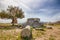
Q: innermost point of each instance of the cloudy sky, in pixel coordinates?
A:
(46, 10)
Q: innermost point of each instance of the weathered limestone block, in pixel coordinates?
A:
(26, 33)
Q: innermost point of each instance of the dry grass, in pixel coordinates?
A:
(51, 37)
(12, 34)
(5, 24)
(37, 33)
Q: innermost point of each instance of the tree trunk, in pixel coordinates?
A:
(14, 20)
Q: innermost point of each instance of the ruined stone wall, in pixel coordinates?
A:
(33, 22)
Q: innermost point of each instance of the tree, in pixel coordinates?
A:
(4, 14)
(13, 13)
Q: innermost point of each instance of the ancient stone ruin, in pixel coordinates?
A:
(34, 22)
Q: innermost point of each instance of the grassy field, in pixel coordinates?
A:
(5, 24)
(14, 34)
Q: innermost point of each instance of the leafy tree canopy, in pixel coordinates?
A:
(12, 12)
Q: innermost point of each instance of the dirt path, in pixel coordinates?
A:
(55, 32)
